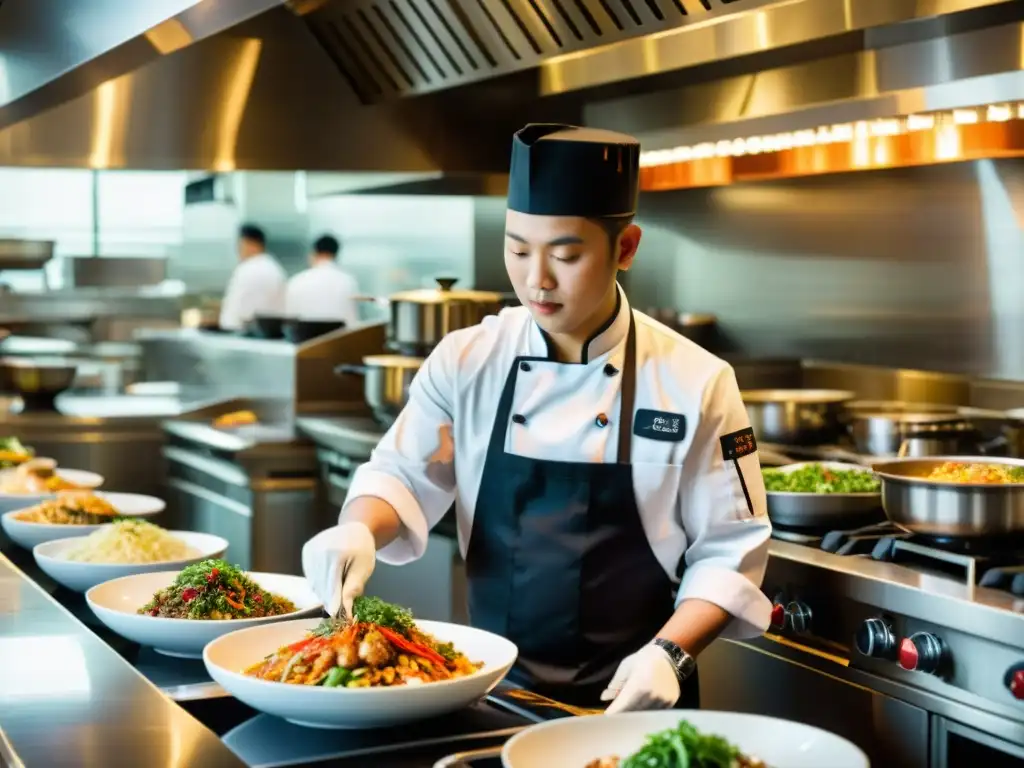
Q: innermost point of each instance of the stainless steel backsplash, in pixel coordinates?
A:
(915, 267)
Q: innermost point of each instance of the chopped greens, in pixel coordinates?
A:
(13, 452)
(683, 747)
(816, 478)
(373, 610)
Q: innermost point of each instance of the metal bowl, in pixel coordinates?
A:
(28, 377)
(823, 510)
(796, 416)
(945, 509)
(386, 382)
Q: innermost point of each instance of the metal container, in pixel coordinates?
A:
(386, 381)
(25, 254)
(907, 433)
(796, 416)
(824, 511)
(421, 318)
(38, 382)
(950, 510)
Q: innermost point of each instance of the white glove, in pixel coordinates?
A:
(337, 563)
(645, 680)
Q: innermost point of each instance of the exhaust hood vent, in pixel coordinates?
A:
(391, 48)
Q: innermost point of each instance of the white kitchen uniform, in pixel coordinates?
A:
(697, 479)
(323, 292)
(256, 287)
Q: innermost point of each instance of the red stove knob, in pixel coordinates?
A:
(923, 652)
(1015, 681)
(778, 621)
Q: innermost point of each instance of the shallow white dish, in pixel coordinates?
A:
(86, 480)
(29, 535)
(318, 707)
(575, 741)
(115, 604)
(81, 576)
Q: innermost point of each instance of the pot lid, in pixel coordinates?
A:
(444, 294)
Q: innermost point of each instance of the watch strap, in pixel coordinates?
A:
(683, 662)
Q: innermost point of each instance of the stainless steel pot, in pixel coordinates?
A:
(824, 511)
(796, 416)
(421, 318)
(943, 509)
(386, 381)
(908, 433)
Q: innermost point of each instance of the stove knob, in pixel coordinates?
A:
(922, 651)
(778, 621)
(1015, 681)
(799, 618)
(874, 638)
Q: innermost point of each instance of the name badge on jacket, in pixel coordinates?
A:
(659, 425)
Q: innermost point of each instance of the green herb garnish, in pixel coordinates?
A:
(215, 588)
(373, 610)
(816, 478)
(683, 747)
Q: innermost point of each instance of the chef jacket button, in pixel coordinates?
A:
(524, 366)
(610, 370)
(601, 420)
(519, 418)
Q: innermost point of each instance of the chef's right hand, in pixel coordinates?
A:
(338, 562)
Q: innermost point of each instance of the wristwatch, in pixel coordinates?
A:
(683, 662)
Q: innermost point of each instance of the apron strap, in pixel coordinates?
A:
(627, 395)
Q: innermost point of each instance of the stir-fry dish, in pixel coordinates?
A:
(129, 541)
(13, 453)
(682, 747)
(215, 590)
(989, 474)
(34, 476)
(70, 508)
(817, 478)
(381, 646)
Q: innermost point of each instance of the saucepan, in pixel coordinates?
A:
(946, 509)
(386, 381)
(579, 742)
(796, 416)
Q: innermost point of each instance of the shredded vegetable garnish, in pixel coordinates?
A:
(989, 474)
(382, 646)
(682, 747)
(129, 541)
(817, 478)
(214, 589)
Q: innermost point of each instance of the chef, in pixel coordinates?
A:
(324, 291)
(604, 472)
(257, 284)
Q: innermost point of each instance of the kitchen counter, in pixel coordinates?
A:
(67, 699)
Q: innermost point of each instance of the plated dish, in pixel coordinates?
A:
(230, 661)
(13, 453)
(382, 646)
(41, 476)
(69, 508)
(678, 738)
(194, 606)
(123, 548)
(73, 513)
(819, 477)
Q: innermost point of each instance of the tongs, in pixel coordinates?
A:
(341, 615)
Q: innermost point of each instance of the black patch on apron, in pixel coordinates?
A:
(659, 425)
(738, 444)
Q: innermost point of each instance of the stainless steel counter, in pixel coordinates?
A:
(67, 699)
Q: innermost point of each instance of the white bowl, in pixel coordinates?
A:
(86, 480)
(82, 576)
(575, 741)
(28, 535)
(115, 604)
(319, 707)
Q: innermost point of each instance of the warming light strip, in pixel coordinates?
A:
(832, 134)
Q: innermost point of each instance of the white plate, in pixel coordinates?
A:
(28, 535)
(87, 480)
(115, 604)
(80, 576)
(575, 741)
(319, 707)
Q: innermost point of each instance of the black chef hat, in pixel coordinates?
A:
(565, 170)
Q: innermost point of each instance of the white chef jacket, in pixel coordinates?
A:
(256, 287)
(323, 292)
(690, 497)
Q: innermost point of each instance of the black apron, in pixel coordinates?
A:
(558, 561)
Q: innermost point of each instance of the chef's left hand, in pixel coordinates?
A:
(645, 680)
